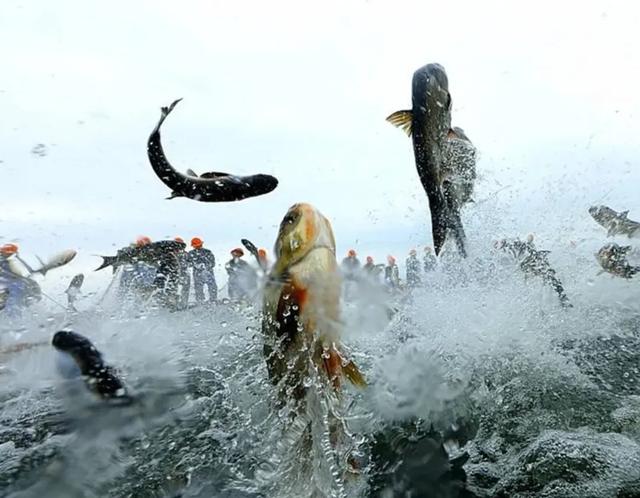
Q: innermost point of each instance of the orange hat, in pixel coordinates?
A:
(196, 243)
(237, 251)
(352, 253)
(179, 239)
(8, 249)
(391, 260)
(142, 240)
(262, 253)
(369, 259)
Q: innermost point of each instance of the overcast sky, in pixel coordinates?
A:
(546, 90)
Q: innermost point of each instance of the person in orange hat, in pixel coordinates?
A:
(137, 277)
(392, 274)
(351, 271)
(262, 259)
(203, 263)
(351, 265)
(142, 240)
(413, 269)
(242, 278)
(17, 290)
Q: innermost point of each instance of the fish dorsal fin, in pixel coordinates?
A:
(402, 120)
(213, 174)
(190, 172)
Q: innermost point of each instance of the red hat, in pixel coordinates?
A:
(369, 259)
(237, 251)
(351, 253)
(8, 249)
(391, 260)
(179, 239)
(196, 243)
(142, 240)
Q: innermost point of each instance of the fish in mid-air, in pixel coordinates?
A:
(445, 157)
(73, 290)
(534, 262)
(99, 377)
(208, 187)
(56, 261)
(614, 222)
(154, 253)
(301, 323)
(613, 259)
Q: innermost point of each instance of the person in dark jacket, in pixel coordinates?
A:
(351, 266)
(429, 260)
(242, 278)
(413, 269)
(203, 262)
(392, 274)
(16, 291)
(184, 279)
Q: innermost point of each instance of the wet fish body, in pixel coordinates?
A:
(99, 377)
(301, 323)
(445, 157)
(208, 187)
(613, 260)
(616, 223)
(162, 250)
(535, 262)
(73, 290)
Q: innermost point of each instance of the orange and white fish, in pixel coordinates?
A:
(301, 313)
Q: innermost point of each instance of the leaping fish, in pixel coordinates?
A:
(208, 187)
(99, 377)
(613, 260)
(615, 223)
(445, 157)
(301, 323)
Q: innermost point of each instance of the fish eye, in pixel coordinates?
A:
(290, 218)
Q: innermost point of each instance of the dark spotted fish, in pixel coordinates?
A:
(614, 222)
(99, 377)
(208, 187)
(160, 252)
(445, 157)
(613, 259)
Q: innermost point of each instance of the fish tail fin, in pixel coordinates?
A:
(106, 261)
(455, 225)
(43, 267)
(336, 367)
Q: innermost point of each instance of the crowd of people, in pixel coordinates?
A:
(195, 269)
(193, 274)
(387, 274)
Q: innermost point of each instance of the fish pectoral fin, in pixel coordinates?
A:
(214, 174)
(402, 120)
(190, 172)
(337, 366)
(352, 372)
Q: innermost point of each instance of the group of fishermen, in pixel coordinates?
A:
(143, 277)
(387, 275)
